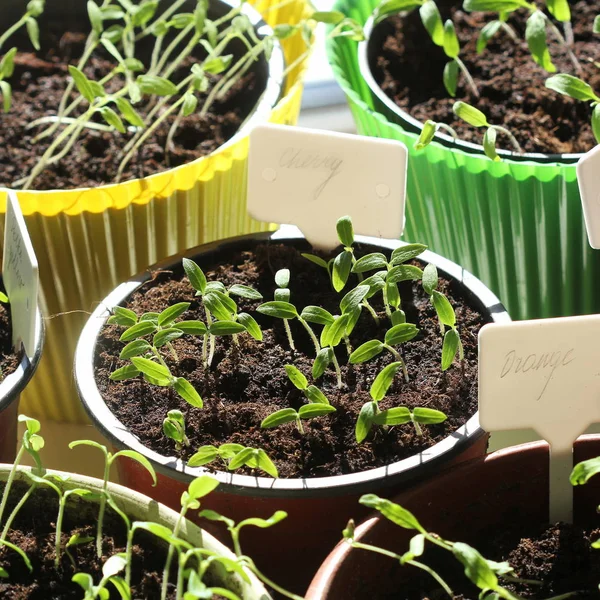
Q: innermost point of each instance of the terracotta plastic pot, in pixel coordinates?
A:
(509, 485)
(11, 388)
(318, 508)
(517, 224)
(141, 508)
(89, 240)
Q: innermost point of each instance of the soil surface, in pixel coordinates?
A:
(248, 382)
(9, 361)
(34, 532)
(510, 83)
(558, 556)
(38, 84)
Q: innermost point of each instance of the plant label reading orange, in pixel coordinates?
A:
(312, 178)
(20, 274)
(543, 375)
(588, 178)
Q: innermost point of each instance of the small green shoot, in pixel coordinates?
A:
(174, 429)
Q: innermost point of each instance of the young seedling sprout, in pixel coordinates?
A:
(282, 294)
(34, 9)
(430, 128)
(174, 429)
(237, 455)
(574, 87)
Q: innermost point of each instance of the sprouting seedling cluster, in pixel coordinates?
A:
(442, 34)
(195, 567)
(235, 456)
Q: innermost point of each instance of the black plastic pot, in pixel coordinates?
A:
(318, 508)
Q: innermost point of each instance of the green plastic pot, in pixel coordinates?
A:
(517, 224)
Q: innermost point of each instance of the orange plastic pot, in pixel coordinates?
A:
(510, 485)
(10, 390)
(317, 508)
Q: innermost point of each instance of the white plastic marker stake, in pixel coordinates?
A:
(311, 178)
(20, 275)
(588, 178)
(543, 375)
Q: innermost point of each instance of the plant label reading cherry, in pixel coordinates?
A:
(309, 178)
(543, 375)
(588, 178)
(20, 274)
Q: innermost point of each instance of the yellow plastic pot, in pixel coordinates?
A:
(89, 240)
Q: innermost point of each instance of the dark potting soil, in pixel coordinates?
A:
(558, 556)
(409, 69)
(34, 532)
(247, 383)
(9, 360)
(38, 84)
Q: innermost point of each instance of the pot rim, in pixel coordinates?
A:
(406, 469)
(14, 383)
(444, 139)
(259, 114)
(136, 503)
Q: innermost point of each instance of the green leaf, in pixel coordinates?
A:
(137, 331)
(191, 327)
(281, 295)
(195, 275)
(113, 566)
(375, 283)
(392, 7)
(250, 325)
(428, 416)
(139, 458)
(450, 77)
(7, 64)
(33, 425)
(296, 377)
(430, 278)
(167, 316)
(316, 314)
(122, 587)
(596, 122)
(470, 114)
(476, 567)
(317, 409)
(150, 316)
(399, 334)
(126, 372)
(498, 6)
(279, 310)
(6, 90)
(151, 368)
(596, 27)
(535, 34)
(226, 328)
(165, 336)
(33, 31)
(336, 331)
(280, 417)
(245, 291)
(35, 7)
(398, 317)
(81, 83)
(341, 270)
(187, 391)
(154, 85)
(135, 348)
(364, 421)
(322, 361)
(214, 302)
(489, 144)
(78, 539)
(451, 43)
(488, 31)
(113, 119)
(228, 451)
(392, 511)
(282, 277)
(128, 112)
(426, 136)
(203, 456)
(416, 548)
(406, 253)
(393, 295)
(584, 470)
(283, 31)
(449, 348)
(277, 517)
(370, 262)
(353, 299)
(366, 351)
(393, 416)
(404, 273)
(559, 9)
(160, 531)
(84, 580)
(571, 86)
(353, 318)
(190, 103)
(383, 381)
(217, 65)
(314, 394)
(331, 17)
(143, 13)
(173, 430)
(432, 21)
(264, 463)
(317, 260)
(202, 486)
(343, 226)
(444, 309)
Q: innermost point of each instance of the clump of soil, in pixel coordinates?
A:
(38, 84)
(409, 67)
(248, 382)
(9, 360)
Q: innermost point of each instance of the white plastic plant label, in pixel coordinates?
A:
(588, 178)
(543, 375)
(311, 178)
(20, 274)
